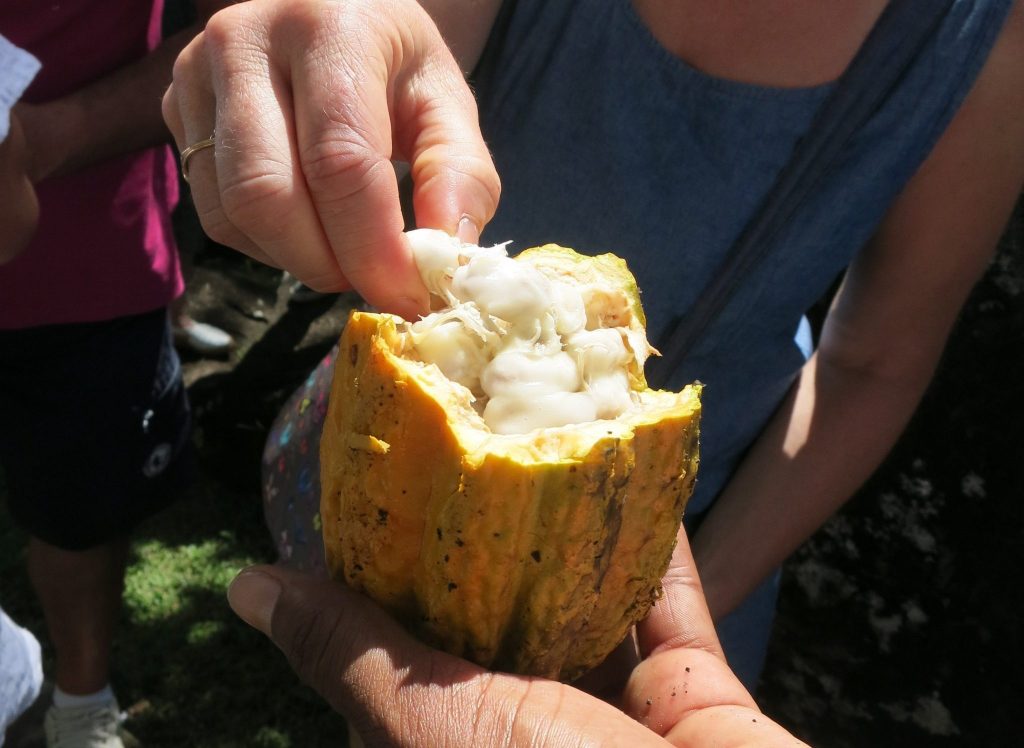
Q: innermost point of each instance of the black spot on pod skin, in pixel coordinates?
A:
(452, 586)
(535, 555)
(353, 354)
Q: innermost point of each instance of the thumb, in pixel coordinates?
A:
(680, 618)
(397, 691)
(706, 704)
(357, 657)
(328, 632)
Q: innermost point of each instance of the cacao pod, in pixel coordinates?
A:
(530, 552)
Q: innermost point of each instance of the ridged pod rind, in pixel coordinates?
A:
(531, 554)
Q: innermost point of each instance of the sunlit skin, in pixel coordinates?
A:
(366, 84)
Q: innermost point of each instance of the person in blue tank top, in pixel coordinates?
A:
(652, 130)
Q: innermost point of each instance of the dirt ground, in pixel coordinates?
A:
(899, 622)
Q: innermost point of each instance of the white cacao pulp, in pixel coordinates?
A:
(533, 348)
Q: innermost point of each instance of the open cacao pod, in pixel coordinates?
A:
(498, 475)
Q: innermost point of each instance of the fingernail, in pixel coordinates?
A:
(410, 309)
(468, 231)
(253, 596)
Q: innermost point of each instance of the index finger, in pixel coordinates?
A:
(681, 617)
(684, 689)
(373, 88)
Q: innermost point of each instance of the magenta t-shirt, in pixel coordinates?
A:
(104, 246)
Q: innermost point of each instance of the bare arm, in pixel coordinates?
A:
(116, 114)
(19, 210)
(882, 339)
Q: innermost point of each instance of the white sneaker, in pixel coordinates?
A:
(203, 338)
(84, 726)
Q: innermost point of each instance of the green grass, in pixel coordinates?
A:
(191, 672)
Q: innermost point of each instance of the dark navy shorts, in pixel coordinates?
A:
(94, 427)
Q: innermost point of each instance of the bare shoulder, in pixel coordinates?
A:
(1004, 69)
(465, 26)
(903, 292)
(1015, 23)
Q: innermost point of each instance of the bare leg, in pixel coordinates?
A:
(80, 592)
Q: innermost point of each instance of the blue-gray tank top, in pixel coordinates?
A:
(606, 142)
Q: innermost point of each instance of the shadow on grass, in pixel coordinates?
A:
(201, 677)
(186, 668)
(198, 675)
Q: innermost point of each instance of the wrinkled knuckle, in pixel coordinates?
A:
(489, 712)
(340, 169)
(318, 26)
(169, 109)
(315, 647)
(475, 172)
(237, 46)
(217, 226)
(257, 202)
(451, 708)
(356, 17)
(680, 576)
(184, 62)
(221, 232)
(224, 25)
(220, 28)
(310, 19)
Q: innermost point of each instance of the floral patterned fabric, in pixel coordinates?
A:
(291, 472)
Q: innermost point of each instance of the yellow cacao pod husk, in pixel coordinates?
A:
(531, 554)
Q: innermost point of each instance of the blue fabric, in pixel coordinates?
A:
(606, 142)
(872, 76)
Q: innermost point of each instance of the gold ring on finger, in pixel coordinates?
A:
(188, 153)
